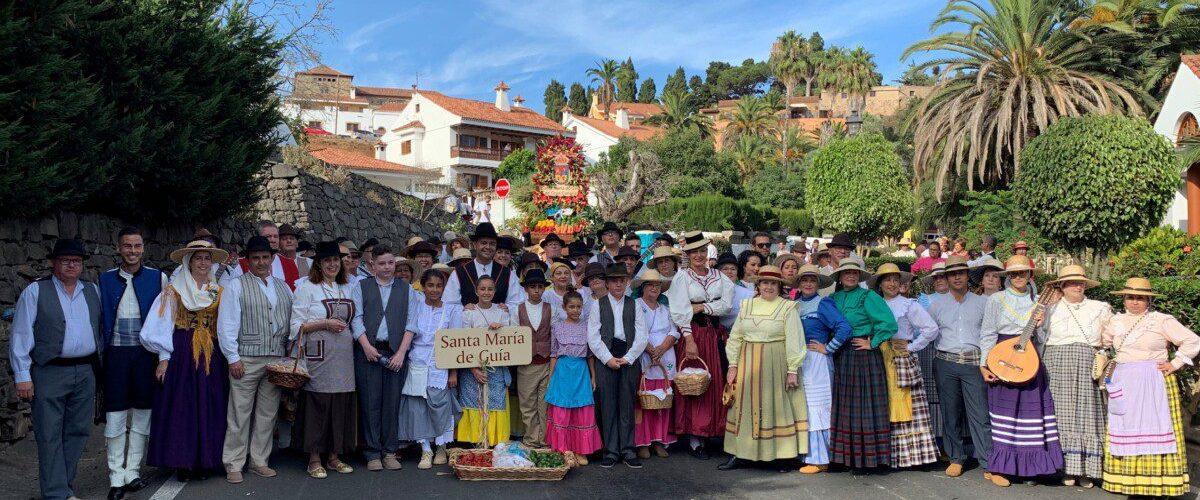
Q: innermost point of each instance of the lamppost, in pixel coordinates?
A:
(853, 123)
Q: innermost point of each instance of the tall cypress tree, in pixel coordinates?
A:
(676, 83)
(578, 101)
(554, 99)
(627, 82)
(646, 93)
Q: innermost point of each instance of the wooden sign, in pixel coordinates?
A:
(560, 190)
(472, 347)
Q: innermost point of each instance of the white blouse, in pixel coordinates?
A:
(1080, 323)
(714, 290)
(158, 331)
(912, 319)
(659, 327)
(740, 293)
(424, 321)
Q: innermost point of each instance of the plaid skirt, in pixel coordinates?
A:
(1152, 475)
(861, 433)
(929, 382)
(1080, 405)
(912, 441)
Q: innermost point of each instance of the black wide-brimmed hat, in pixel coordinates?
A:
(578, 249)
(328, 249)
(593, 270)
(528, 258)
(625, 251)
(665, 237)
(68, 247)
(607, 227)
(534, 277)
(616, 271)
(258, 244)
(506, 243)
(840, 240)
(484, 230)
(288, 230)
(726, 258)
(552, 238)
(304, 246)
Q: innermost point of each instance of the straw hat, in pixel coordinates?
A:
(904, 241)
(664, 253)
(1073, 272)
(769, 273)
(694, 240)
(938, 270)
(822, 249)
(886, 269)
(823, 281)
(1020, 244)
(460, 255)
(956, 263)
(1140, 287)
(1018, 263)
(652, 276)
(784, 257)
(851, 264)
(177, 256)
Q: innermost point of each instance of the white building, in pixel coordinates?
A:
(1178, 119)
(402, 178)
(463, 140)
(596, 135)
(327, 99)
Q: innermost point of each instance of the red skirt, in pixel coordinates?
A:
(653, 425)
(572, 429)
(703, 415)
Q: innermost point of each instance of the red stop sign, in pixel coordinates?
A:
(502, 188)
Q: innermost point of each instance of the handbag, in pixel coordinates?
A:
(1100, 364)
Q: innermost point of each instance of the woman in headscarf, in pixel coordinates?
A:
(912, 433)
(561, 278)
(1072, 337)
(768, 419)
(698, 297)
(861, 426)
(187, 424)
(1144, 452)
(825, 331)
(326, 419)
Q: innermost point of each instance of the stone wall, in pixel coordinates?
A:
(324, 205)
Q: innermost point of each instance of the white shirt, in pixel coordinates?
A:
(1081, 323)
(534, 311)
(714, 290)
(556, 304)
(127, 308)
(596, 344)
(658, 328)
(516, 294)
(229, 315)
(424, 321)
(483, 210)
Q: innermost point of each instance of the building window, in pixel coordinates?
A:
(912, 93)
(872, 93)
(472, 181)
(406, 147)
(315, 124)
(417, 106)
(472, 141)
(351, 127)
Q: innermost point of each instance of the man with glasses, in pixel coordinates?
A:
(56, 347)
(761, 243)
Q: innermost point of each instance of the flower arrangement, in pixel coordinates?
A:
(560, 190)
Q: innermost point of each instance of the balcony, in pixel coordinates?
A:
(478, 153)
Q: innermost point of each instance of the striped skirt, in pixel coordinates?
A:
(1152, 475)
(1079, 404)
(861, 433)
(929, 377)
(767, 421)
(1024, 427)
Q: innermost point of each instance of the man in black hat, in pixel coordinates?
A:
(552, 247)
(56, 346)
(127, 378)
(840, 247)
(610, 241)
(460, 288)
(617, 337)
(252, 328)
(630, 258)
(579, 253)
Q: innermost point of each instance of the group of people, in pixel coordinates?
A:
(805, 356)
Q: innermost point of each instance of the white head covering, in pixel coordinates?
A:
(196, 296)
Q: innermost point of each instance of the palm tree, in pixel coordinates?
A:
(860, 75)
(1153, 34)
(678, 115)
(787, 59)
(750, 116)
(604, 74)
(1016, 70)
(831, 69)
(791, 145)
(748, 153)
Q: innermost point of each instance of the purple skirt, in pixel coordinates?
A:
(1024, 427)
(187, 426)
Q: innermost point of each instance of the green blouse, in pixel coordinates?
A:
(867, 313)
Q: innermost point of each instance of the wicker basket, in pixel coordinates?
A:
(692, 384)
(473, 473)
(293, 377)
(650, 401)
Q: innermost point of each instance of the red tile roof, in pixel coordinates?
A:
(636, 130)
(383, 92)
(323, 70)
(412, 124)
(392, 107)
(638, 108)
(351, 160)
(486, 111)
(1192, 61)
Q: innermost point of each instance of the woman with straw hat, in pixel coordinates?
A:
(789, 264)
(1024, 429)
(768, 419)
(825, 330)
(665, 261)
(912, 431)
(653, 428)
(1072, 338)
(1144, 452)
(988, 276)
(187, 424)
(861, 432)
(698, 297)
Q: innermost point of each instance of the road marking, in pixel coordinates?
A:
(170, 489)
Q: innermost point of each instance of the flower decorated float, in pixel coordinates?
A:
(559, 192)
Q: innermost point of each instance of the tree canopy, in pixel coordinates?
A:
(857, 186)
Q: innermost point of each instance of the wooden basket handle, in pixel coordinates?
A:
(656, 364)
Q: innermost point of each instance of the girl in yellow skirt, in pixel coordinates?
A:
(471, 389)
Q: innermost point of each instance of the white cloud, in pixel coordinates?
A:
(366, 34)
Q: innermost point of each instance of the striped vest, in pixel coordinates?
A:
(264, 329)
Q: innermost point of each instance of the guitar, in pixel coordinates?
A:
(1015, 361)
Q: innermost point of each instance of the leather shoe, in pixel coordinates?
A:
(997, 479)
(633, 463)
(729, 465)
(234, 477)
(699, 453)
(116, 493)
(136, 485)
(954, 470)
(263, 471)
(608, 462)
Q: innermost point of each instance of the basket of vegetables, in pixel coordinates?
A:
(508, 462)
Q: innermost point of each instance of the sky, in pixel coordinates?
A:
(464, 49)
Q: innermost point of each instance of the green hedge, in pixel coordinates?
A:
(1181, 297)
(873, 262)
(714, 212)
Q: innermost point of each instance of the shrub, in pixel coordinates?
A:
(996, 213)
(1096, 182)
(858, 186)
(1164, 251)
(713, 212)
(518, 167)
(771, 185)
(794, 221)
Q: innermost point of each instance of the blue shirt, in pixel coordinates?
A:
(823, 322)
(958, 324)
(78, 341)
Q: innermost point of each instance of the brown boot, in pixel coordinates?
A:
(643, 452)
